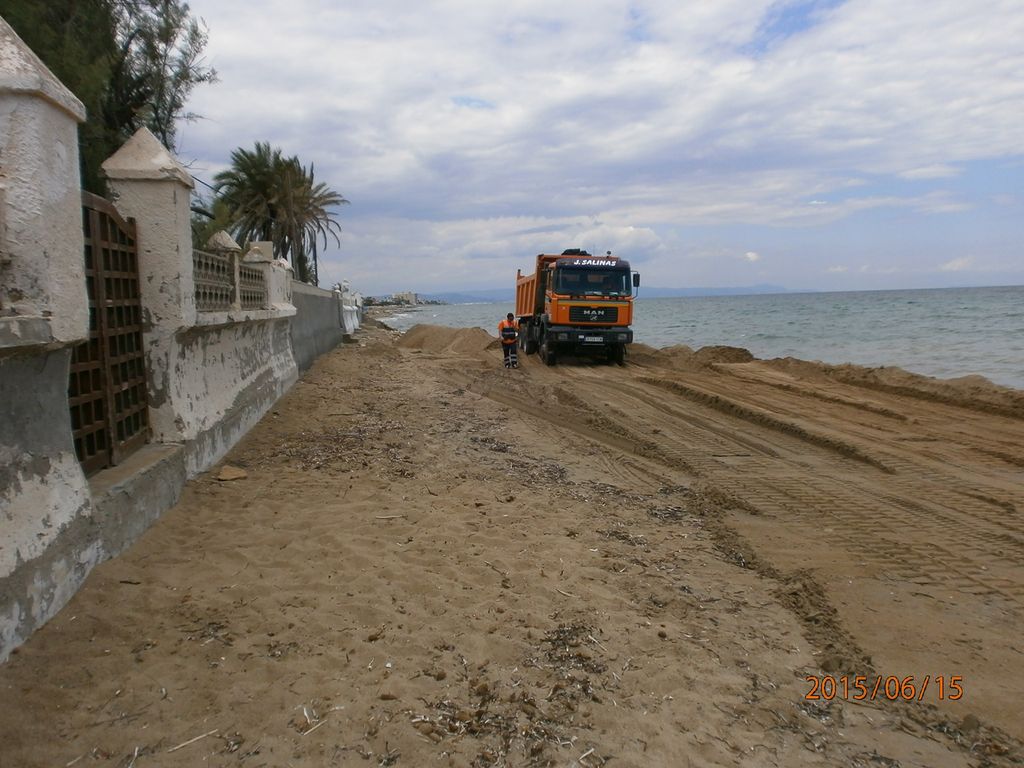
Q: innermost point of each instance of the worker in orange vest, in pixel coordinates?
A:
(508, 332)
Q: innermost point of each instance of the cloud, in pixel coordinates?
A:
(958, 265)
(936, 171)
(472, 102)
(449, 120)
(752, 256)
(837, 269)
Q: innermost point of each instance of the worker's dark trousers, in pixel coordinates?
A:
(510, 355)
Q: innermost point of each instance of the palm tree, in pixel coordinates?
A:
(314, 203)
(249, 188)
(275, 198)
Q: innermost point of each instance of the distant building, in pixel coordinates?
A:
(405, 297)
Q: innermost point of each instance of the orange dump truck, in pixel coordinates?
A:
(575, 303)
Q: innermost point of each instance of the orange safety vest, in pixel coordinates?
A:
(508, 331)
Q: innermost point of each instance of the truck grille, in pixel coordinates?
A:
(593, 314)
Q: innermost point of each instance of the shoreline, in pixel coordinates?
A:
(942, 337)
(894, 377)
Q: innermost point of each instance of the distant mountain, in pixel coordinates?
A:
(471, 297)
(504, 295)
(745, 290)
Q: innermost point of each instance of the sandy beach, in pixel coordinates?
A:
(420, 558)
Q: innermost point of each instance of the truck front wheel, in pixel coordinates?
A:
(617, 354)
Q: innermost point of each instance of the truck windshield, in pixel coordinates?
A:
(597, 282)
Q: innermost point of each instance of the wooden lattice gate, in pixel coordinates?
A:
(107, 385)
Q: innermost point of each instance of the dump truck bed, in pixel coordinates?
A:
(530, 288)
(529, 297)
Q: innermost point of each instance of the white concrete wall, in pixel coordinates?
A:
(317, 325)
(226, 379)
(44, 497)
(212, 374)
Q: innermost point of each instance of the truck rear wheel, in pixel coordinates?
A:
(529, 340)
(546, 353)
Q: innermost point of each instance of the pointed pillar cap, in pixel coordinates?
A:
(222, 241)
(144, 157)
(21, 71)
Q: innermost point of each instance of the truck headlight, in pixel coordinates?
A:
(563, 337)
(623, 336)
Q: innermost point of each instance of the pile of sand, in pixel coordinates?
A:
(973, 391)
(680, 357)
(440, 339)
(722, 354)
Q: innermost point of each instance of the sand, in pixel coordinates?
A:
(427, 559)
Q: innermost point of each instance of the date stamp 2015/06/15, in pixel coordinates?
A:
(891, 687)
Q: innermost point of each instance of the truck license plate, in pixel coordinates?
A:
(588, 339)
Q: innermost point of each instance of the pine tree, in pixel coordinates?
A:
(130, 62)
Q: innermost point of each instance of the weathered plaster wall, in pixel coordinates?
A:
(45, 551)
(45, 508)
(225, 378)
(212, 375)
(316, 327)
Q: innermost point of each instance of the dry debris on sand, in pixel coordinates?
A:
(424, 559)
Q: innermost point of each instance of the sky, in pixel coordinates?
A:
(813, 144)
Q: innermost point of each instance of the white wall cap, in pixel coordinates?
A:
(144, 157)
(21, 71)
(259, 251)
(222, 241)
(312, 290)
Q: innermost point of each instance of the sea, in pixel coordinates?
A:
(943, 332)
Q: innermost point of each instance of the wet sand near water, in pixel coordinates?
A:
(427, 559)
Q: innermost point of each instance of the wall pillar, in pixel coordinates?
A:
(277, 272)
(42, 275)
(149, 185)
(45, 510)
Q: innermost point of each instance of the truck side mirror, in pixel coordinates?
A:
(636, 279)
